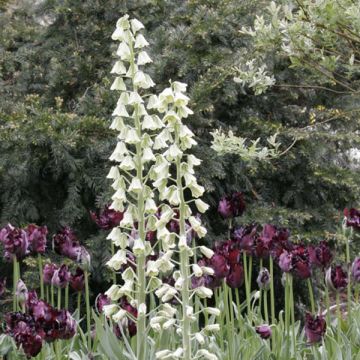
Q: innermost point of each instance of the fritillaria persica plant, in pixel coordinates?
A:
(150, 177)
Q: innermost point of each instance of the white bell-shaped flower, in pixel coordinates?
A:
(121, 314)
(201, 205)
(143, 58)
(121, 111)
(135, 98)
(127, 219)
(140, 42)
(110, 309)
(118, 84)
(203, 292)
(113, 292)
(117, 123)
(113, 173)
(136, 25)
(118, 68)
(123, 52)
(123, 22)
(135, 185)
(127, 164)
(117, 260)
(132, 137)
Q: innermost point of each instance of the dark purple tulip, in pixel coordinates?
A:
(355, 270)
(107, 218)
(66, 325)
(66, 243)
(245, 237)
(301, 262)
(264, 331)
(48, 272)
(37, 238)
(235, 278)
(233, 257)
(263, 279)
(231, 206)
(336, 278)
(320, 255)
(101, 301)
(220, 266)
(352, 218)
(315, 328)
(2, 286)
(15, 241)
(77, 281)
(25, 333)
(285, 261)
(61, 277)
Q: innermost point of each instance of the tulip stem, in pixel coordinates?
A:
(79, 303)
(87, 300)
(67, 296)
(272, 299)
(338, 311)
(261, 290)
(14, 283)
(238, 304)
(349, 275)
(59, 298)
(247, 290)
(266, 314)
(41, 277)
(52, 295)
(229, 331)
(327, 301)
(311, 295)
(287, 313)
(292, 313)
(47, 294)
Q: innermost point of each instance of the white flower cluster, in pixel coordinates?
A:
(176, 139)
(152, 173)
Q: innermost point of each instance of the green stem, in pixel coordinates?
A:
(338, 312)
(206, 315)
(47, 294)
(261, 291)
(67, 297)
(238, 305)
(311, 295)
(292, 309)
(14, 283)
(59, 298)
(327, 302)
(41, 277)
(52, 295)
(287, 314)
(229, 332)
(112, 254)
(141, 338)
(88, 313)
(349, 275)
(266, 314)
(184, 261)
(272, 292)
(247, 291)
(79, 303)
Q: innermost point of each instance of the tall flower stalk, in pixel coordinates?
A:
(173, 103)
(133, 194)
